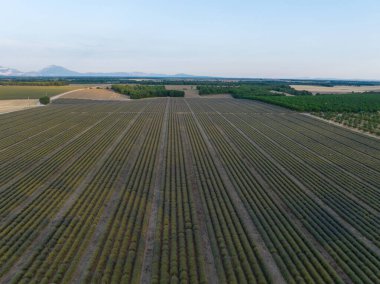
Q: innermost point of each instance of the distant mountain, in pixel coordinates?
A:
(4, 71)
(59, 71)
(56, 71)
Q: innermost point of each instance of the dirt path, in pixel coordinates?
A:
(252, 231)
(51, 226)
(53, 98)
(146, 270)
(211, 273)
(308, 192)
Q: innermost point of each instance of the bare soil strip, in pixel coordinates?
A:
(241, 210)
(211, 273)
(146, 270)
(7, 106)
(329, 210)
(294, 219)
(95, 94)
(50, 227)
(53, 98)
(336, 89)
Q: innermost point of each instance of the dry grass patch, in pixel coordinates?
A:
(96, 94)
(336, 89)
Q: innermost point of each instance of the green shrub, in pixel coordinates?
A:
(45, 100)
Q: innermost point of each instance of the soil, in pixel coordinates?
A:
(336, 89)
(7, 106)
(94, 94)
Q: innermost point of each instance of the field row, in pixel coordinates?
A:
(185, 190)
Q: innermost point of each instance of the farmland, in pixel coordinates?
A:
(340, 89)
(33, 92)
(185, 190)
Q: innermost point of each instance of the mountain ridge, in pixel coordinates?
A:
(59, 71)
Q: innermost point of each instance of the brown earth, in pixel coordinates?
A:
(95, 94)
(336, 89)
(15, 105)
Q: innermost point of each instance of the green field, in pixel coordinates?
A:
(171, 190)
(33, 92)
(366, 102)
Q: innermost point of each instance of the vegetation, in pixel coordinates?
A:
(33, 83)
(364, 121)
(366, 102)
(185, 190)
(145, 91)
(44, 100)
(32, 92)
(246, 91)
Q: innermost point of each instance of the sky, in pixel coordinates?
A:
(235, 38)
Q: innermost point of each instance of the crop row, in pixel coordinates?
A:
(297, 258)
(178, 249)
(26, 162)
(119, 255)
(357, 260)
(335, 167)
(235, 253)
(47, 195)
(57, 255)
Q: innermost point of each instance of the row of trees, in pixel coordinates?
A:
(144, 91)
(33, 83)
(247, 91)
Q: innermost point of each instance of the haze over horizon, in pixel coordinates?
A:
(276, 39)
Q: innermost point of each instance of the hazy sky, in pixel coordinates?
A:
(241, 38)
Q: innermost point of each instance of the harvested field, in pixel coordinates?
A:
(336, 89)
(95, 94)
(185, 190)
(15, 105)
